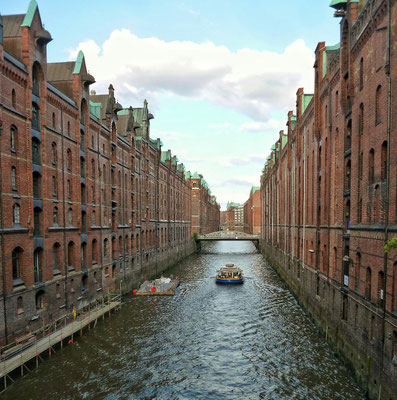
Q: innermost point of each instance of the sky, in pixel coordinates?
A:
(220, 75)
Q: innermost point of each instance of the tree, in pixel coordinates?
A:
(391, 244)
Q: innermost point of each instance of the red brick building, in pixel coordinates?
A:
(235, 217)
(205, 210)
(329, 194)
(252, 212)
(89, 202)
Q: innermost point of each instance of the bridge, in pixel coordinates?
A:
(227, 235)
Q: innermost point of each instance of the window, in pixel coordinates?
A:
(35, 117)
(371, 166)
(37, 222)
(13, 138)
(36, 151)
(383, 164)
(54, 154)
(368, 286)
(35, 81)
(378, 96)
(83, 222)
(82, 141)
(69, 189)
(55, 216)
(69, 160)
(381, 294)
(54, 187)
(357, 269)
(83, 256)
(70, 254)
(83, 194)
(56, 258)
(361, 73)
(94, 251)
(82, 167)
(16, 263)
(13, 178)
(13, 99)
(68, 128)
(40, 300)
(70, 217)
(37, 259)
(36, 186)
(53, 120)
(19, 305)
(93, 168)
(16, 214)
(93, 218)
(105, 248)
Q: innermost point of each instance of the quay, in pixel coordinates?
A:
(62, 332)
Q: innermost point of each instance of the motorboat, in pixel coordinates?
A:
(229, 274)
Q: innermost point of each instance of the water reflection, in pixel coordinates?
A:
(250, 341)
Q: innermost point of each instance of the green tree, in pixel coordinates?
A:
(391, 244)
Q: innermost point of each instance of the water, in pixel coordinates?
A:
(209, 341)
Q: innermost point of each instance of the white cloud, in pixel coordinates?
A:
(249, 81)
(256, 126)
(170, 135)
(221, 125)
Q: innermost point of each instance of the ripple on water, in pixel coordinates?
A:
(251, 341)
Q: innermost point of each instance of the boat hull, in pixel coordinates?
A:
(229, 281)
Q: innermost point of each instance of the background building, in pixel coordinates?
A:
(235, 217)
(252, 212)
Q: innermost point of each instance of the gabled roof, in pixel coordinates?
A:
(255, 189)
(306, 99)
(60, 71)
(196, 175)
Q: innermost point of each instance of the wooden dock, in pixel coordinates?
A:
(48, 342)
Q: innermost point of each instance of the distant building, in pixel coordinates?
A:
(235, 217)
(252, 212)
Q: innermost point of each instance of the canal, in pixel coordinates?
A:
(207, 342)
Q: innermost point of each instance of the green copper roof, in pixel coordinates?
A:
(338, 3)
(273, 147)
(27, 21)
(124, 111)
(187, 174)
(174, 160)
(284, 140)
(255, 189)
(165, 155)
(306, 99)
(95, 109)
(196, 176)
(328, 48)
(79, 62)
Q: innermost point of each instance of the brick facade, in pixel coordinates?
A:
(89, 202)
(328, 194)
(252, 212)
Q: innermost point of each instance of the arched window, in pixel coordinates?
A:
(381, 294)
(36, 159)
(368, 284)
(357, 270)
(13, 99)
(83, 222)
(70, 217)
(378, 116)
(83, 194)
(105, 249)
(336, 102)
(16, 263)
(54, 187)
(69, 189)
(37, 222)
(56, 258)
(13, 138)
(19, 305)
(94, 251)
(93, 218)
(13, 178)
(36, 185)
(69, 160)
(383, 164)
(71, 255)
(361, 73)
(84, 282)
(55, 217)
(54, 153)
(16, 214)
(371, 167)
(37, 260)
(83, 256)
(35, 81)
(35, 117)
(41, 300)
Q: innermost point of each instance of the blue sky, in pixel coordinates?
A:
(219, 76)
